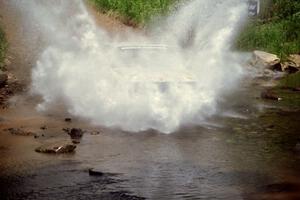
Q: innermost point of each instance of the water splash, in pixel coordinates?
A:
(134, 84)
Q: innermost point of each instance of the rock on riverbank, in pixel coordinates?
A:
(273, 62)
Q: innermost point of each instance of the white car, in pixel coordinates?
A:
(153, 63)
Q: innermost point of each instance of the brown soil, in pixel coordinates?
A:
(110, 23)
(18, 58)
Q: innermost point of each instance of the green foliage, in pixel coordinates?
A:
(284, 9)
(276, 30)
(276, 37)
(135, 11)
(3, 46)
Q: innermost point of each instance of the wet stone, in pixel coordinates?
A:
(68, 120)
(93, 172)
(290, 67)
(267, 94)
(123, 195)
(76, 141)
(95, 132)
(56, 148)
(20, 132)
(296, 89)
(75, 133)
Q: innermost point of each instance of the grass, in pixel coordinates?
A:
(276, 30)
(135, 12)
(3, 47)
(279, 37)
(271, 37)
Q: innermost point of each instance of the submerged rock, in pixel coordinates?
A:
(297, 89)
(20, 132)
(95, 132)
(68, 120)
(93, 172)
(122, 195)
(268, 94)
(76, 141)
(56, 148)
(75, 133)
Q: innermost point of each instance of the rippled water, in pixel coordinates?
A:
(233, 157)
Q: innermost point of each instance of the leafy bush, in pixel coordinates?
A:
(276, 30)
(285, 9)
(135, 11)
(275, 37)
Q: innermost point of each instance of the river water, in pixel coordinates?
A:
(250, 155)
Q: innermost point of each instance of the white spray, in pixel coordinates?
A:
(114, 84)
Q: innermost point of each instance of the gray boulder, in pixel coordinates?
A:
(295, 58)
(20, 132)
(290, 67)
(265, 59)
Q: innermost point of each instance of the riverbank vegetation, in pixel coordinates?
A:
(3, 46)
(135, 12)
(275, 30)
